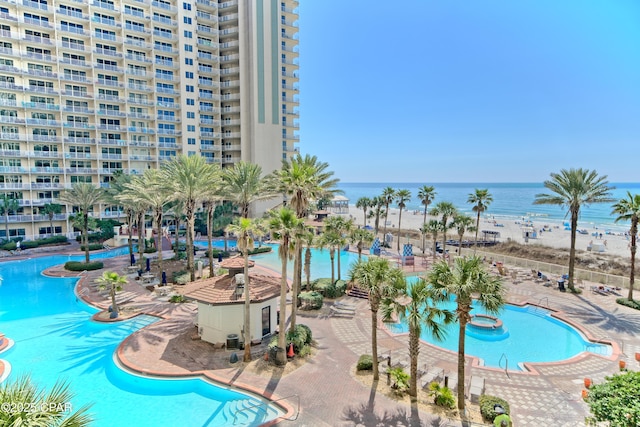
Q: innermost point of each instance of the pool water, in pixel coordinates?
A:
(529, 334)
(55, 339)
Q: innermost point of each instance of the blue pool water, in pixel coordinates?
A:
(529, 334)
(55, 339)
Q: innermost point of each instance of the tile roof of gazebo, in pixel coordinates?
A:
(221, 290)
(235, 263)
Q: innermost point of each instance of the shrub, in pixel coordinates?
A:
(181, 256)
(216, 253)
(83, 266)
(487, 403)
(310, 300)
(181, 277)
(93, 237)
(260, 250)
(308, 330)
(325, 287)
(9, 246)
(442, 396)
(633, 304)
(399, 380)
(365, 363)
(305, 351)
(341, 287)
(616, 399)
(28, 244)
(52, 240)
(149, 250)
(177, 298)
(93, 246)
(299, 336)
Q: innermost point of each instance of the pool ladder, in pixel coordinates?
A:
(540, 303)
(506, 364)
(235, 414)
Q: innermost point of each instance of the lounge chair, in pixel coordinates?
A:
(476, 388)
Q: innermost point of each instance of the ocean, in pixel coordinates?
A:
(510, 201)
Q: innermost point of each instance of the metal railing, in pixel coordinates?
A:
(257, 405)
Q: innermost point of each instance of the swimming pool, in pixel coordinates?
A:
(529, 334)
(54, 338)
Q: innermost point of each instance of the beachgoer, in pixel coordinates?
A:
(503, 419)
(18, 248)
(605, 243)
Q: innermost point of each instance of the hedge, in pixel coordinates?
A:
(30, 244)
(93, 247)
(310, 300)
(633, 303)
(328, 289)
(83, 266)
(487, 403)
(216, 252)
(365, 363)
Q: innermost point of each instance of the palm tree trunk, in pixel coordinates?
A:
(634, 232)
(295, 287)
(141, 244)
(177, 237)
(130, 232)
(364, 218)
(85, 235)
(281, 356)
(424, 221)
(374, 343)
(339, 250)
(159, 237)
(210, 238)
(386, 216)
(51, 224)
(6, 224)
(399, 223)
(414, 352)
(307, 266)
(572, 251)
(190, 245)
(461, 362)
(247, 309)
(114, 307)
(477, 228)
(332, 255)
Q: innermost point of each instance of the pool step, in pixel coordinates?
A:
(246, 412)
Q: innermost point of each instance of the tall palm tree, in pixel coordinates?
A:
(361, 237)
(130, 198)
(246, 230)
(383, 283)
(432, 227)
(388, 194)
(330, 238)
(464, 280)
(481, 198)
(426, 195)
(402, 196)
(422, 312)
(377, 203)
(39, 407)
(309, 240)
(283, 224)
(573, 188)
(84, 196)
(190, 177)
(339, 228)
(117, 187)
(364, 203)
(445, 210)
(51, 210)
(8, 205)
(629, 210)
(113, 282)
(462, 224)
(244, 184)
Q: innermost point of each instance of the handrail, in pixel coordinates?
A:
(506, 364)
(540, 302)
(235, 414)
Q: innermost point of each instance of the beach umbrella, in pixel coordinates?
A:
(148, 264)
(133, 259)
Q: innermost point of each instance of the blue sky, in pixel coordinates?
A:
(470, 90)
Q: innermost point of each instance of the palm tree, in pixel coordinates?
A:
(361, 237)
(51, 210)
(283, 224)
(432, 227)
(8, 205)
(338, 228)
(481, 199)
(377, 203)
(402, 196)
(244, 184)
(446, 210)
(462, 224)
(421, 312)
(426, 195)
(309, 240)
(245, 230)
(84, 196)
(573, 188)
(331, 239)
(629, 210)
(464, 280)
(383, 283)
(364, 203)
(190, 177)
(388, 194)
(37, 407)
(113, 282)
(117, 187)
(130, 198)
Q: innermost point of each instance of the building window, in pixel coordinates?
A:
(188, 61)
(188, 48)
(186, 6)
(188, 34)
(191, 115)
(187, 20)
(190, 88)
(191, 141)
(188, 74)
(191, 101)
(191, 128)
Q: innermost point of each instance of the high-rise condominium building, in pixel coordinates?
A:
(90, 87)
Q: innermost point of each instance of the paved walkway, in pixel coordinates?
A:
(331, 396)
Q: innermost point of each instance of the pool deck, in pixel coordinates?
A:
(329, 394)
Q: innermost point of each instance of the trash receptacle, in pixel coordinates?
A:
(232, 341)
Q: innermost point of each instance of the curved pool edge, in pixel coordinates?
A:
(209, 376)
(530, 367)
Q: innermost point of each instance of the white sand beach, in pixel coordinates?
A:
(557, 237)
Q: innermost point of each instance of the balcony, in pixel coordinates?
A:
(116, 142)
(43, 138)
(164, 21)
(82, 156)
(73, 14)
(117, 128)
(11, 86)
(74, 140)
(231, 18)
(47, 170)
(103, 5)
(207, 4)
(79, 125)
(12, 169)
(11, 136)
(164, 6)
(204, 16)
(43, 122)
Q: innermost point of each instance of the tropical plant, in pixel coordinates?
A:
(36, 406)
(383, 283)
(113, 283)
(402, 196)
(84, 196)
(388, 194)
(130, 198)
(51, 210)
(116, 187)
(309, 240)
(244, 184)
(377, 203)
(364, 203)
(426, 195)
(283, 224)
(338, 229)
(246, 230)
(8, 205)
(421, 312)
(446, 211)
(399, 379)
(574, 188)
(330, 238)
(432, 227)
(462, 223)
(442, 396)
(464, 280)
(190, 178)
(629, 210)
(481, 199)
(616, 400)
(361, 237)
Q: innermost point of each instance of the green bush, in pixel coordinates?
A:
(616, 400)
(9, 246)
(300, 337)
(53, 240)
(633, 304)
(365, 363)
(93, 237)
(260, 250)
(83, 266)
(181, 256)
(308, 330)
(181, 277)
(29, 244)
(93, 246)
(217, 252)
(399, 380)
(305, 351)
(177, 299)
(442, 396)
(310, 300)
(149, 250)
(325, 287)
(341, 287)
(487, 403)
